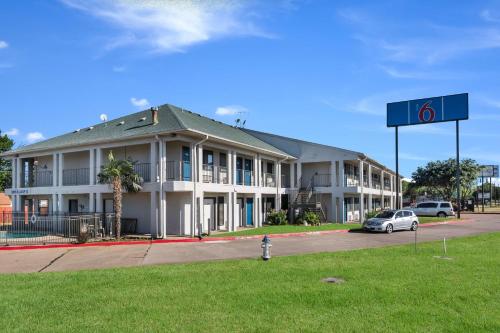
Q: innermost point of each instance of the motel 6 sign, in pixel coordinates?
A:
(428, 110)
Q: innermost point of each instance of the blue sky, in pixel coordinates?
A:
(316, 70)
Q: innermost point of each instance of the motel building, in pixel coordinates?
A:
(197, 173)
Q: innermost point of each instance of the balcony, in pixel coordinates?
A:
(41, 178)
(351, 180)
(143, 170)
(178, 170)
(244, 177)
(387, 186)
(215, 174)
(322, 180)
(73, 177)
(376, 184)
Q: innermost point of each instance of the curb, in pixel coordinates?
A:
(203, 240)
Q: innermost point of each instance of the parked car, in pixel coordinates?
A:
(434, 208)
(390, 220)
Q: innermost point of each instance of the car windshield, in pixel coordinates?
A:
(385, 214)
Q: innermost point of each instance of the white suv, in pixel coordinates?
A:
(434, 208)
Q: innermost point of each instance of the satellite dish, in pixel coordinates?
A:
(104, 117)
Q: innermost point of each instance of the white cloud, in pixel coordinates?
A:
(32, 137)
(171, 25)
(230, 110)
(3, 44)
(12, 132)
(119, 69)
(139, 102)
(488, 16)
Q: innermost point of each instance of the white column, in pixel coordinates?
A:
(370, 206)
(235, 171)
(98, 162)
(54, 202)
(361, 196)
(259, 170)
(230, 216)
(18, 172)
(60, 202)
(332, 173)
(91, 203)
(92, 167)
(54, 169)
(153, 160)
(98, 203)
(292, 174)
(342, 208)
(163, 215)
(153, 214)
(382, 189)
(342, 172)
(60, 169)
(369, 177)
(230, 168)
(299, 174)
(255, 171)
(199, 160)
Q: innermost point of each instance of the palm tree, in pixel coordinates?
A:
(121, 176)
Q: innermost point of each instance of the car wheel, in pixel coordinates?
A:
(389, 228)
(441, 214)
(414, 226)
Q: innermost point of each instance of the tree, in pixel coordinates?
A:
(121, 176)
(6, 144)
(438, 178)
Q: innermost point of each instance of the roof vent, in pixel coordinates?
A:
(121, 123)
(77, 130)
(91, 128)
(154, 115)
(142, 119)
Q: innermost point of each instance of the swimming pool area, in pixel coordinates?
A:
(14, 235)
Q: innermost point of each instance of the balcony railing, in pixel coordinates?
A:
(215, 174)
(351, 180)
(268, 179)
(244, 177)
(376, 184)
(178, 170)
(322, 180)
(143, 170)
(387, 186)
(73, 177)
(41, 178)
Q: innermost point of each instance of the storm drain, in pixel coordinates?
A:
(333, 280)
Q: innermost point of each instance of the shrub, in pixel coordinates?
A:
(83, 237)
(277, 218)
(371, 214)
(311, 218)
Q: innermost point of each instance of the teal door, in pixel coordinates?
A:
(186, 163)
(249, 211)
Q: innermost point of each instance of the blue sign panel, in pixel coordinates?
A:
(428, 110)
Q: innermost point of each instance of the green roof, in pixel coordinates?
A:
(140, 124)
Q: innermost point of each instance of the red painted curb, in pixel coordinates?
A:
(196, 240)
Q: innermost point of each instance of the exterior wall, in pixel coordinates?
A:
(179, 213)
(45, 161)
(139, 153)
(77, 160)
(137, 206)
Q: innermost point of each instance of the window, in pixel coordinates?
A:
(407, 213)
(399, 215)
(269, 168)
(432, 204)
(445, 205)
(223, 159)
(208, 157)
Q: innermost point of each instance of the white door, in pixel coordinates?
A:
(399, 220)
(208, 215)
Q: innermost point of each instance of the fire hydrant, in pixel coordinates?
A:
(266, 248)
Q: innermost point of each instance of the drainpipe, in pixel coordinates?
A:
(160, 177)
(195, 180)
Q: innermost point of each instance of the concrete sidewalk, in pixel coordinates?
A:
(62, 259)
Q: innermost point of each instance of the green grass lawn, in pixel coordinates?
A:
(291, 228)
(386, 290)
(284, 229)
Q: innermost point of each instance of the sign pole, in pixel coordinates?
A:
(459, 203)
(397, 170)
(482, 191)
(491, 193)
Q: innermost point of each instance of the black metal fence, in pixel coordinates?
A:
(76, 176)
(19, 228)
